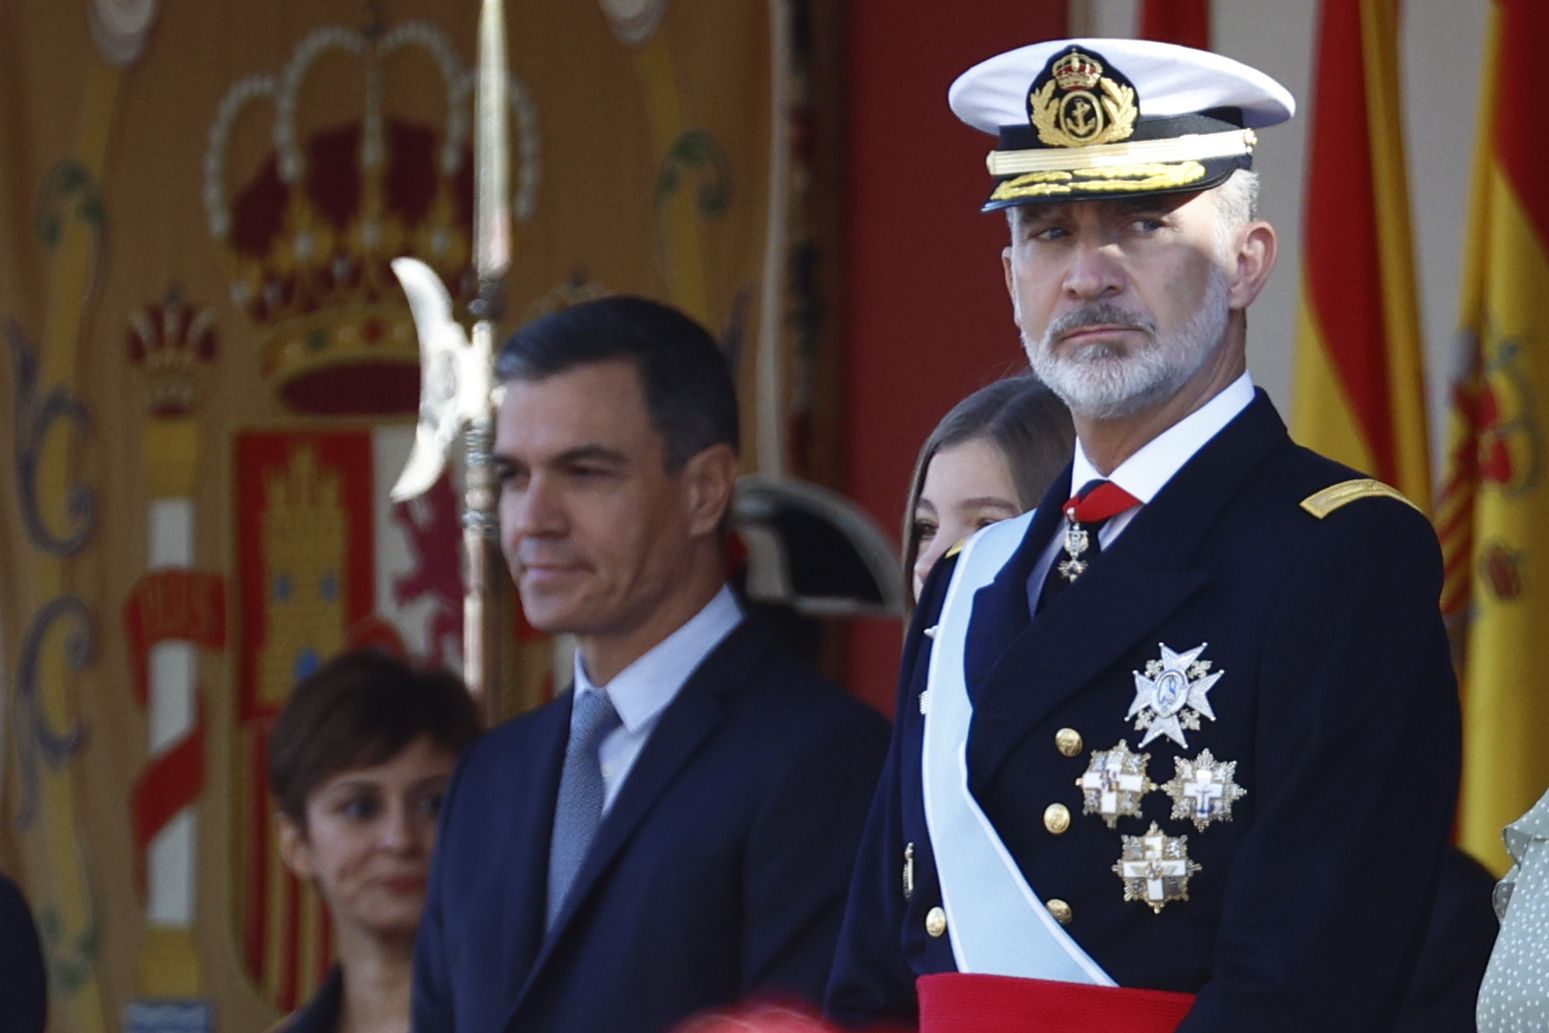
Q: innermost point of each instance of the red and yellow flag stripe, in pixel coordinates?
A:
(1359, 392)
(1493, 510)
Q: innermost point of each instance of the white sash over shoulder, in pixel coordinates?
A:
(998, 925)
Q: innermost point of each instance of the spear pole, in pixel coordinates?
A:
(457, 372)
(492, 259)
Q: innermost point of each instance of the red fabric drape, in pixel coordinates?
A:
(1176, 21)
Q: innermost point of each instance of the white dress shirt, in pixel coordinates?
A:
(1147, 471)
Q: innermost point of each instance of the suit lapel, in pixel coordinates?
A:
(1135, 585)
(687, 722)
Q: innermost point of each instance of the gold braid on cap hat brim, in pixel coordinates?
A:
(1132, 179)
(1195, 147)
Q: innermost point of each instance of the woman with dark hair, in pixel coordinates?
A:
(358, 762)
(991, 457)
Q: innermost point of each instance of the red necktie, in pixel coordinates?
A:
(1097, 501)
(1085, 514)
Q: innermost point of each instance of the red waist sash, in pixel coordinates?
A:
(951, 1002)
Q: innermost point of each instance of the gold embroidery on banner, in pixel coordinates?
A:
(1321, 503)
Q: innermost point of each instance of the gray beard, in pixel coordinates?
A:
(1101, 382)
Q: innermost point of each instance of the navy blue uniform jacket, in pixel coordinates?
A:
(1336, 700)
(718, 873)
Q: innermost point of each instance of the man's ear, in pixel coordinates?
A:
(1257, 248)
(295, 851)
(708, 478)
(1011, 283)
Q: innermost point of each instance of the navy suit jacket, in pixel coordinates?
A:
(718, 873)
(24, 1004)
(1336, 701)
(321, 1013)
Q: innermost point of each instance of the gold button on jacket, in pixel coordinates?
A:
(935, 921)
(1060, 910)
(1068, 742)
(1056, 818)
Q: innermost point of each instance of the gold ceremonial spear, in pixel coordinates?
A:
(457, 374)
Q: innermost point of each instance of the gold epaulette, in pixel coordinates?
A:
(955, 549)
(1321, 503)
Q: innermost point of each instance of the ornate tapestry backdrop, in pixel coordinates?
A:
(210, 380)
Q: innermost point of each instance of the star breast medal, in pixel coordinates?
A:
(1114, 784)
(1203, 789)
(1155, 868)
(1172, 695)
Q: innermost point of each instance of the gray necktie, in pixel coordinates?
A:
(579, 806)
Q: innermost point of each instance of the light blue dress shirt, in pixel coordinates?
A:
(641, 691)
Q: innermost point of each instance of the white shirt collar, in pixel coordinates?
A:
(642, 690)
(1148, 470)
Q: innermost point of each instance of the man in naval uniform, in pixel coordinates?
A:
(1179, 749)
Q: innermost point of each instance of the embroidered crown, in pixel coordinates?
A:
(1077, 71)
(307, 239)
(170, 340)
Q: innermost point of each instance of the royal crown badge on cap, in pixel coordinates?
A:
(1093, 118)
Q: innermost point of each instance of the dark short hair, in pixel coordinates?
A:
(1021, 417)
(357, 710)
(684, 376)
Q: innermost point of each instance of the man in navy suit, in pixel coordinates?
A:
(1179, 750)
(677, 832)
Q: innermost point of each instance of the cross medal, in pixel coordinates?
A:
(1173, 695)
(1114, 783)
(1204, 789)
(1155, 868)
(1077, 541)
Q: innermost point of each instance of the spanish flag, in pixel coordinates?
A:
(1493, 509)
(1359, 392)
